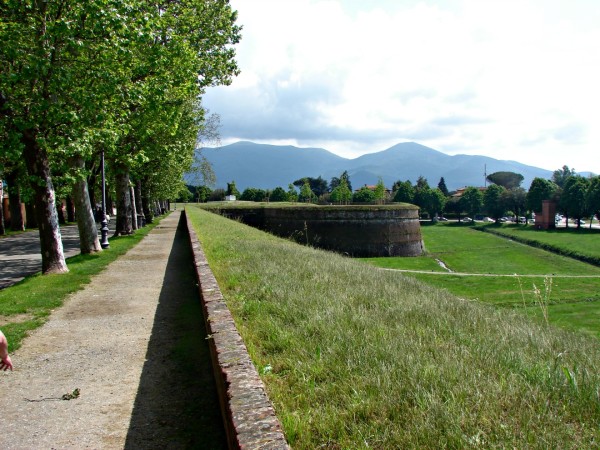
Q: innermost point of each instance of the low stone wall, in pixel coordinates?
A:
(386, 230)
(248, 413)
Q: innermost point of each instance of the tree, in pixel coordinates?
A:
(435, 201)
(540, 190)
(573, 198)
(471, 201)
(232, 189)
(560, 176)
(515, 200)
(508, 180)
(335, 181)
(380, 191)
(317, 185)
(341, 193)
(404, 192)
(292, 193)
(593, 197)
(442, 187)
(364, 195)
(421, 189)
(306, 193)
(278, 195)
(492, 201)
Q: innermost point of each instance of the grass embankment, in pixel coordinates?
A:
(574, 301)
(356, 357)
(580, 243)
(26, 305)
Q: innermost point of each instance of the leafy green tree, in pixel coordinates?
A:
(508, 180)
(278, 195)
(539, 190)
(515, 200)
(560, 176)
(471, 201)
(292, 193)
(434, 202)
(335, 181)
(306, 193)
(317, 185)
(232, 189)
(593, 197)
(380, 191)
(341, 193)
(492, 201)
(364, 195)
(573, 198)
(404, 192)
(421, 190)
(442, 187)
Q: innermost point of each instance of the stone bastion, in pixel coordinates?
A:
(365, 230)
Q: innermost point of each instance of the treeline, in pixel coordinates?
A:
(118, 78)
(576, 197)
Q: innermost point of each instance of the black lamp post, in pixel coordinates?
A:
(104, 224)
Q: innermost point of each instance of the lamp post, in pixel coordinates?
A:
(104, 224)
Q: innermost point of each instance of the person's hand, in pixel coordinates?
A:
(6, 363)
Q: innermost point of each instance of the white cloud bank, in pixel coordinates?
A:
(507, 79)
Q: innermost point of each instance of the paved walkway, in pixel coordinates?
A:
(132, 345)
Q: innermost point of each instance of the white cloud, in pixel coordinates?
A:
(508, 79)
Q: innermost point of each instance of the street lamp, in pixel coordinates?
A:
(104, 224)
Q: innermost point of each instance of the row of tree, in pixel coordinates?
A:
(119, 78)
(577, 197)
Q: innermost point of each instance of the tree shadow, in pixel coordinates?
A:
(176, 405)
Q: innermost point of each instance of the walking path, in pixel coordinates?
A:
(129, 356)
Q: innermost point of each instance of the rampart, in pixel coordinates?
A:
(371, 230)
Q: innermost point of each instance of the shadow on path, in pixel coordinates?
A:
(176, 405)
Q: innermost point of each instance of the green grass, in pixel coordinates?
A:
(581, 243)
(357, 357)
(36, 296)
(574, 303)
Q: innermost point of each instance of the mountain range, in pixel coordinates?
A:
(267, 166)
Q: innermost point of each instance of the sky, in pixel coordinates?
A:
(512, 80)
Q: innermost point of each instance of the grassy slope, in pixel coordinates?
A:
(573, 302)
(356, 357)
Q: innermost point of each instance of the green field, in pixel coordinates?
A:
(355, 357)
(475, 257)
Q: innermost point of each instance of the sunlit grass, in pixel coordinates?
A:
(357, 357)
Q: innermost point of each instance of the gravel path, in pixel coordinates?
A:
(119, 343)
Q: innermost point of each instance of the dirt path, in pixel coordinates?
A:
(132, 342)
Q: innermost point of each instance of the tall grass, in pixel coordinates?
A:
(355, 357)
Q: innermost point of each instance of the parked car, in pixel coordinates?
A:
(442, 219)
(465, 219)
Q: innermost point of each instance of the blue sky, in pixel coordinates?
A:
(513, 80)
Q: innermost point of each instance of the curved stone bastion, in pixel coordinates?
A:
(371, 230)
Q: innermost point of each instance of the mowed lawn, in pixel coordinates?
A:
(503, 272)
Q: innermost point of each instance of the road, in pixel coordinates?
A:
(20, 253)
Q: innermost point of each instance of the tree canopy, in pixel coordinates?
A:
(508, 180)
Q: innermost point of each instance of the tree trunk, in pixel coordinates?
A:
(38, 167)
(61, 212)
(30, 213)
(134, 221)
(70, 209)
(147, 207)
(17, 223)
(88, 232)
(2, 229)
(138, 200)
(123, 225)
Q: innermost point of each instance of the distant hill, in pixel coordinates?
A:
(268, 166)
